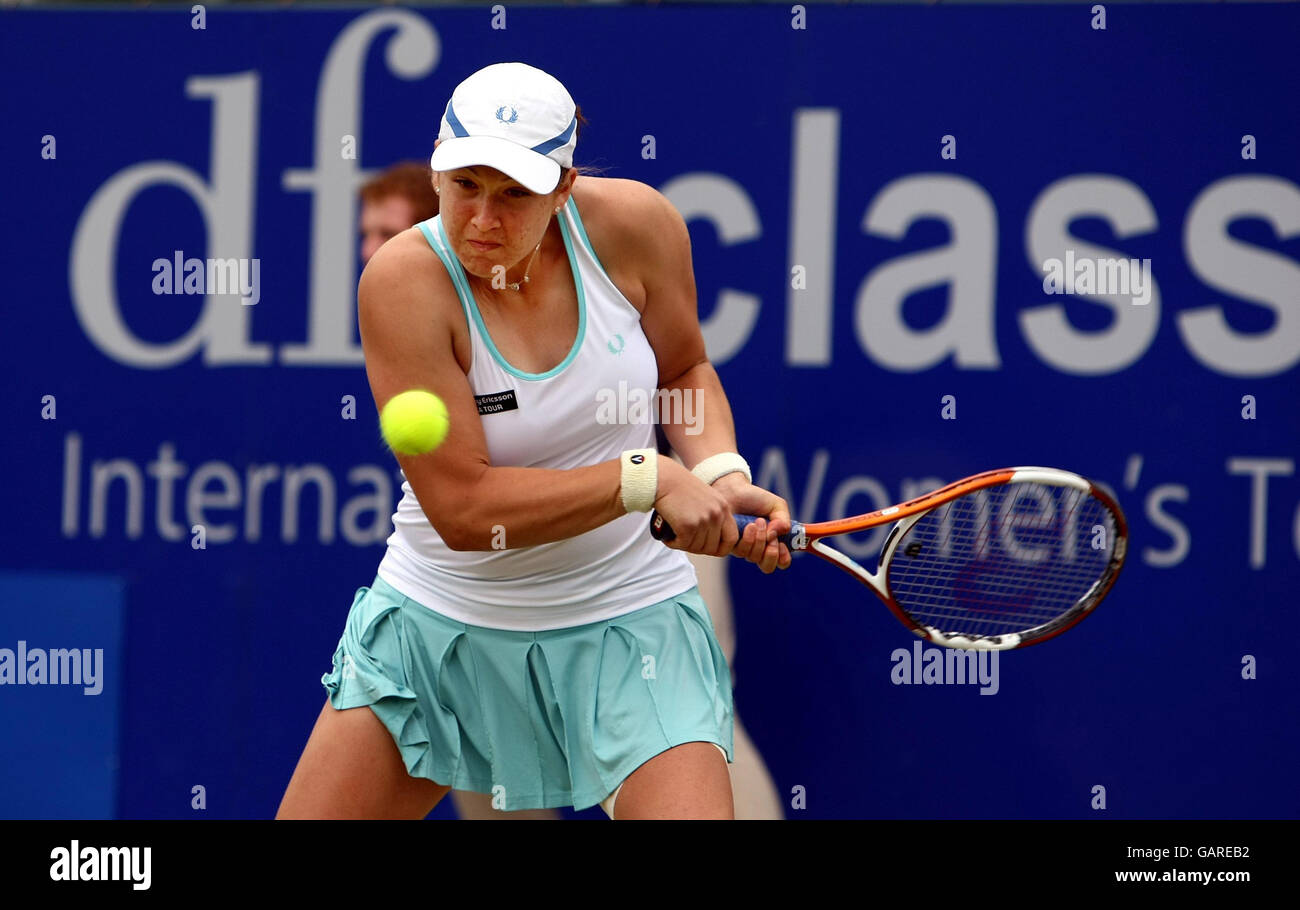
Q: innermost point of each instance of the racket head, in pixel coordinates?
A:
(1040, 584)
(1005, 563)
(819, 529)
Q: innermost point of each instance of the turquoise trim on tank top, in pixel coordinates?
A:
(471, 306)
(447, 260)
(586, 241)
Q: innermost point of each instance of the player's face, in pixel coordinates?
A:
(491, 219)
(382, 219)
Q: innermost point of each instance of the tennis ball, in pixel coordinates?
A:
(413, 422)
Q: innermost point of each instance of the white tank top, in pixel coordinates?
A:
(547, 420)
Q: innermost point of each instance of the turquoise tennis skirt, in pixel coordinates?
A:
(537, 719)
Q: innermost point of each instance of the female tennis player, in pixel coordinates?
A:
(525, 636)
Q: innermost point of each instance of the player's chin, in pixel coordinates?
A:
(479, 265)
(483, 261)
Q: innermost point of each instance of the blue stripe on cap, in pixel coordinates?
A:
(456, 126)
(559, 141)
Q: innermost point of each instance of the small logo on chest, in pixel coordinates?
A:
(610, 344)
(496, 402)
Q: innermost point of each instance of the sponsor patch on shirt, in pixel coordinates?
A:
(496, 402)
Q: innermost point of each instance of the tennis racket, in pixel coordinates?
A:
(999, 560)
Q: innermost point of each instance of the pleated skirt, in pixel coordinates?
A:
(537, 719)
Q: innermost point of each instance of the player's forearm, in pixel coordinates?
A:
(512, 507)
(523, 507)
(708, 429)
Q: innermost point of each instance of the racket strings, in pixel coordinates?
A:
(1003, 560)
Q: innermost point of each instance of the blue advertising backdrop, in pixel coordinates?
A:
(871, 200)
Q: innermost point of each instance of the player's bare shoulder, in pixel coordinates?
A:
(405, 260)
(621, 211)
(628, 222)
(406, 285)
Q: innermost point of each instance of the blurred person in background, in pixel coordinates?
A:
(394, 200)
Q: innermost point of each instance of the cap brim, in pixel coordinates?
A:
(537, 172)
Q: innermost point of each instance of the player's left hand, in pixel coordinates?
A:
(759, 543)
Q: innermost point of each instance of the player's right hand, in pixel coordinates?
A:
(699, 515)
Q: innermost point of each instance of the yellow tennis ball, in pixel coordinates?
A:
(413, 422)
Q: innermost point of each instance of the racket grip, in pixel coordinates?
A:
(661, 530)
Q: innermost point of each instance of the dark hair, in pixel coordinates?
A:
(582, 121)
(409, 180)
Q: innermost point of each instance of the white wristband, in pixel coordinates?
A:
(640, 479)
(715, 466)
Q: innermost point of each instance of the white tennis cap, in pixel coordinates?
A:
(513, 117)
